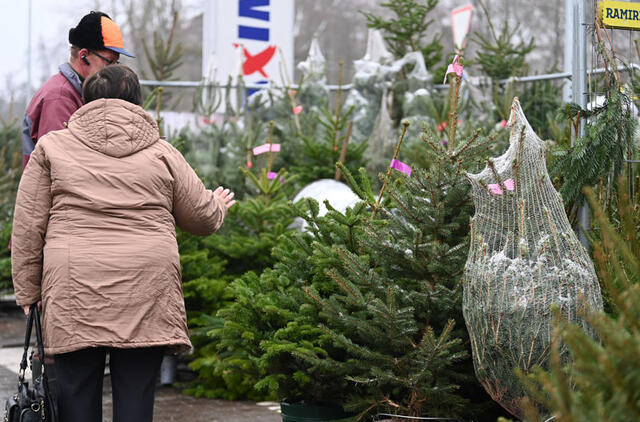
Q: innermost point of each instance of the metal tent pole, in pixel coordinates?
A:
(29, 76)
(568, 48)
(579, 91)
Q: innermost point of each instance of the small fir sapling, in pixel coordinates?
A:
(163, 60)
(210, 265)
(11, 169)
(322, 142)
(272, 322)
(407, 30)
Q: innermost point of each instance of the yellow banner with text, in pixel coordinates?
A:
(620, 14)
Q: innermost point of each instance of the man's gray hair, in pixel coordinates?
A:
(74, 51)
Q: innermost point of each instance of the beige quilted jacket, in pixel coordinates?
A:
(94, 231)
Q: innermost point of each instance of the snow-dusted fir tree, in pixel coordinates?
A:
(396, 312)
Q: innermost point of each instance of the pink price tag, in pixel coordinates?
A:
(265, 148)
(509, 184)
(400, 166)
(453, 68)
(496, 189)
(272, 175)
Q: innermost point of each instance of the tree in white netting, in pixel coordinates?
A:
(524, 258)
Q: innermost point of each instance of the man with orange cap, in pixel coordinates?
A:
(96, 42)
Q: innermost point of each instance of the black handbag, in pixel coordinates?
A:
(31, 404)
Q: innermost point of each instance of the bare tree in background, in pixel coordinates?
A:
(141, 18)
(13, 101)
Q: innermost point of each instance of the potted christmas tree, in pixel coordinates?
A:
(396, 309)
(272, 323)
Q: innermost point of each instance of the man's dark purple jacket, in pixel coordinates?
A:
(50, 108)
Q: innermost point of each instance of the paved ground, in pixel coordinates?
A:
(170, 405)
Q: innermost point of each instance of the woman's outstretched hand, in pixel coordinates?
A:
(225, 195)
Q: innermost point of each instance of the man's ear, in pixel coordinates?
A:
(82, 54)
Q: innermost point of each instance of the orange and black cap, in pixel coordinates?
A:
(96, 31)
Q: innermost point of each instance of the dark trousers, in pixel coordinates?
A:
(133, 381)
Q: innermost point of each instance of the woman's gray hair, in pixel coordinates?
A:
(114, 81)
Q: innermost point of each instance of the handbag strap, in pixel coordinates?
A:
(27, 340)
(39, 342)
(33, 316)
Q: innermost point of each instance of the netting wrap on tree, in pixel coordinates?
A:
(524, 258)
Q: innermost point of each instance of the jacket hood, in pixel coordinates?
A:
(114, 127)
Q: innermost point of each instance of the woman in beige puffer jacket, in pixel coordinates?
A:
(94, 239)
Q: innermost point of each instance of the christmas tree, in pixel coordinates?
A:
(364, 308)
(326, 145)
(271, 321)
(163, 60)
(406, 30)
(209, 265)
(397, 309)
(524, 258)
(6, 283)
(222, 144)
(11, 169)
(499, 57)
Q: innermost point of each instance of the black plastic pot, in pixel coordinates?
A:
(313, 412)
